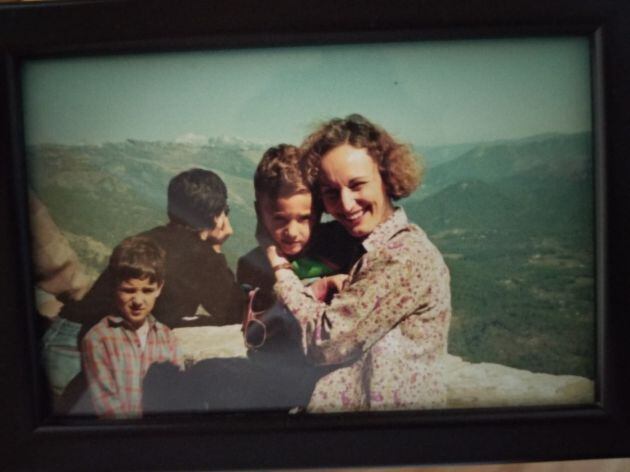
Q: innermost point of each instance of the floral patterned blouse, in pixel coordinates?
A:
(387, 330)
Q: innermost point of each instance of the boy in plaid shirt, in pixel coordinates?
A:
(117, 352)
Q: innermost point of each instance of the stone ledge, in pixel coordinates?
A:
(495, 385)
(470, 385)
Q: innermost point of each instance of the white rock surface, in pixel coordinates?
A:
(204, 342)
(469, 385)
(494, 385)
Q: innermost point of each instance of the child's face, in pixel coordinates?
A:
(135, 299)
(289, 220)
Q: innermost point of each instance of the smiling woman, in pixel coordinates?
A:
(384, 335)
(353, 190)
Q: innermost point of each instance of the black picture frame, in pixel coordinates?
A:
(33, 440)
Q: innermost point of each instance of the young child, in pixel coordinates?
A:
(288, 215)
(117, 352)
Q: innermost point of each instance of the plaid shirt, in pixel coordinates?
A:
(115, 364)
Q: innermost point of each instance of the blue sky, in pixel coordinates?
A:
(425, 93)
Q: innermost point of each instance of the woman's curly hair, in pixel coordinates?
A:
(399, 169)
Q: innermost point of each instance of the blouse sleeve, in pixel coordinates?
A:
(386, 289)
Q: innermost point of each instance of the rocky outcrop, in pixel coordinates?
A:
(205, 342)
(494, 385)
(470, 385)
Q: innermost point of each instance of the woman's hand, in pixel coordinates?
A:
(274, 255)
(324, 288)
(336, 283)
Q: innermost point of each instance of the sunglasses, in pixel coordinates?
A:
(255, 331)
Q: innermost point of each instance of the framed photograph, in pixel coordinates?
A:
(498, 169)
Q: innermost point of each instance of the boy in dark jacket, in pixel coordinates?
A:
(289, 215)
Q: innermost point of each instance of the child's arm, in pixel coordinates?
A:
(100, 379)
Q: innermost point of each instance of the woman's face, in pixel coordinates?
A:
(353, 191)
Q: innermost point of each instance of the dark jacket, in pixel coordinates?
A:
(195, 276)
